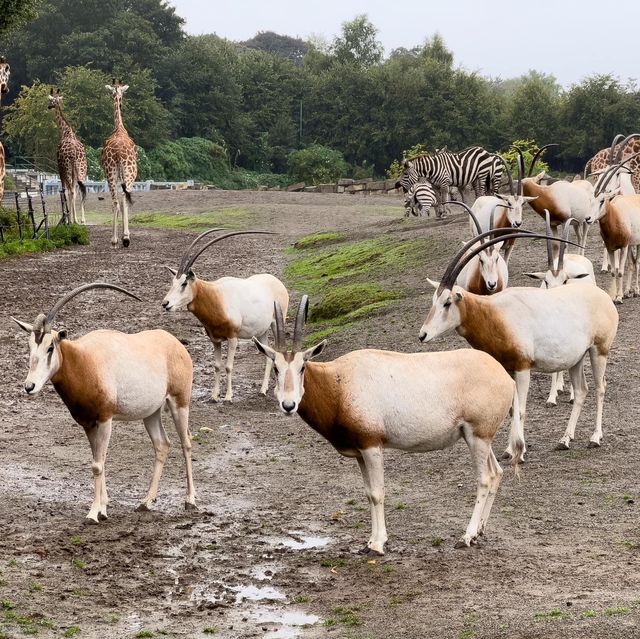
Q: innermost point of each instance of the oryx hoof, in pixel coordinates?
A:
(143, 508)
(593, 444)
(91, 521)
(551, 403)
(562, 446)
(102, 516)
(463, 544)
(126, 241)
(189, 506)
(506, 456)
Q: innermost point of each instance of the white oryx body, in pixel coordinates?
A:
(108, 375)
(529, 329)
(430, 401)
(230, 308)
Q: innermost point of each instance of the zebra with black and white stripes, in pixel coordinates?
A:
(474, 167)
(419, 199)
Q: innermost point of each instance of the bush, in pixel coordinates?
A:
(396, 167)
(528, 148)
(317, 164)
(59, 236)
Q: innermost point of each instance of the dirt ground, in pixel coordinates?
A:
(272, 551)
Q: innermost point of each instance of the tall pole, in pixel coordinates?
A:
(300, 133)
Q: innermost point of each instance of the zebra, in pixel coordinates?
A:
(420, 197)
(474, 166)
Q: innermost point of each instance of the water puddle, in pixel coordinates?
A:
(297, 541)
(290, 622)
(255, 593)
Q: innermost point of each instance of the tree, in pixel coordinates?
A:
(294, 49)
(317, 164)
(358, 43)
(15, 13)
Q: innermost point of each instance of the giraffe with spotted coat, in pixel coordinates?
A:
(72, 158)
(119, 159)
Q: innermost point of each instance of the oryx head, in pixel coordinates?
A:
(44, 342)
(289, 365)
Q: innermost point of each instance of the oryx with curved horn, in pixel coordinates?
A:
(563, 200)
(108, 375)
(565, 268)
(430, 401)
(229, 308)
(529, 329)
(487, 273)
(506, 209)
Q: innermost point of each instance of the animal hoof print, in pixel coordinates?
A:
(125, 242)
(593, 445)
(143, 508)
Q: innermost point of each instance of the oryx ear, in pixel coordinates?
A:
(536, 276)
(62, 334)
(529, 198)
(457, 296)
(264, 349)
(314, 351)
(172, 271)
(435, 285)
(23, 325)
(191, 275)
(498, 246)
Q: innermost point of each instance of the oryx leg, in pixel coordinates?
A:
(605, 261)
(217, 365)
(99, 436)
(522, 379)
(496, 472)
(371, 462)
(619, 274)
(180, 416)
(598, 368)
(579, 383)
(232, 345)
(488, 480)
(160, 442)
(267, 369)
(556, 378)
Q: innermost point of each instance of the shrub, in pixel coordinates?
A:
(396, 167)
(528, 148)
(317, 164)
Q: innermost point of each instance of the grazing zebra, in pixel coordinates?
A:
(420, 197)
(472, 167)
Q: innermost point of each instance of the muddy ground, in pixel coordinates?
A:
(272, 552)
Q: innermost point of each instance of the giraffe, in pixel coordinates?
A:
(119, 161)
(622, 149)
(72, 158)
(4, 88)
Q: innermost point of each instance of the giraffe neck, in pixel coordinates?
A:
(117, 113)
(63, 126)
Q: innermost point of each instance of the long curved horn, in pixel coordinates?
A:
(506, 166)
(605, 178)
(622, 145)
(452, 275)
(521, 165)
(281, 342)
(469, 211)
(465, 247)
(547, 226)
(76, 291)
(185, 256)
(563, 245)
(613, 147)
(202, 249)
(538, 153)
(301, 318)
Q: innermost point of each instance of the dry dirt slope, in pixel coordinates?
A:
(560, 559)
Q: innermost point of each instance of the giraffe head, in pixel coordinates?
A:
(55, 98)
(117, 89)
(4, 75)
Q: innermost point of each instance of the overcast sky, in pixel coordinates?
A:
(501, 38)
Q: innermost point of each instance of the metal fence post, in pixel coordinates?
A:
(44, 213)
(18, 214)
(32, 215)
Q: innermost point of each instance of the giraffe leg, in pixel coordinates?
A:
(114, 208)
(72, 196)
(126, 199)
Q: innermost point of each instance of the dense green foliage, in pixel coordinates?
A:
(317, 164)
(203, 106)
(58, 237)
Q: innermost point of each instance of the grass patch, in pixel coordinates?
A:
(315, 271)
(588, 614)
(141, 634)
(347, 616)
(437, 542)
(59, 237)
(71, 631)
(555, 614)
(79, 564)
(610, 612)
(345, 301)
(230, 218)
(318, 239)
(210, 630)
